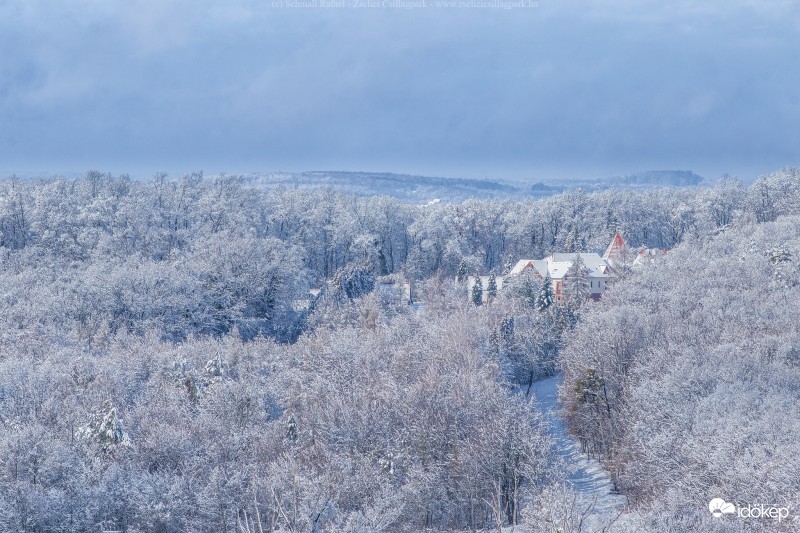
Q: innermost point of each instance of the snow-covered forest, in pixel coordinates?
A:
(686, 381)
(166, 366)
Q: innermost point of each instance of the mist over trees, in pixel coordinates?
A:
(165, 367)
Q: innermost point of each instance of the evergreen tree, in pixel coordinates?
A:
(491, 288)
(507, 331)
(572, 243)
(508, 266)
(526, 288)
(461, 275)
(383, 268)
(106, 429)
(291, 429)
(494, 344)
(477, 291)
(588, 388)
(352, 282)
(566, 315)
(612, 222)
(528, 293)
(781, 260)
(213, 372)
(546, 297)
(577, 283)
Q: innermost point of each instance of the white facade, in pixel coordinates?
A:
(558, 266)
(600, 270)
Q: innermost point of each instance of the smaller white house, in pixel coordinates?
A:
(647, 257)
(399, 291)
(305, 303)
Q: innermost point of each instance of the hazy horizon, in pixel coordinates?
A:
(550, 179)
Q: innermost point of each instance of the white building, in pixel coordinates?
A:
(647, 257)
(394, 289)
(600, 270)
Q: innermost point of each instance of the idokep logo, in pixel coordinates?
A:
(719, 507)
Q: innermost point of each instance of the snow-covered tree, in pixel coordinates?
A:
(461, 275)
(573, 242)
(291, 410)
(477, 291)
(106, 429)
(546, 297)
(632, 368)
(352, 282)
(491, 288)
(507, 331)
(576, 283)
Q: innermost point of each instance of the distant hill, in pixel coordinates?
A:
(416, 189)
(668, 178)
(424, 189)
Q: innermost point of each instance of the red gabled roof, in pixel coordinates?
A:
(616, 246)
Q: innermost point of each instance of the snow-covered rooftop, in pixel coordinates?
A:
(558, 269)
(537, 265)
(559, 263)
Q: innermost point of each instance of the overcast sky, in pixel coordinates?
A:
(563, 89)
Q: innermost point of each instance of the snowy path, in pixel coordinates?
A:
(589, 478)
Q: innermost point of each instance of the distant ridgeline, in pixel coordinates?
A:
(658, 178)
(424, 189)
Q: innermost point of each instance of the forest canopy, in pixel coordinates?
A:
(166, 366)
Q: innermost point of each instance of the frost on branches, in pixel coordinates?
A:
(106, 430)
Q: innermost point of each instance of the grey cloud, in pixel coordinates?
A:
(566, 88)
